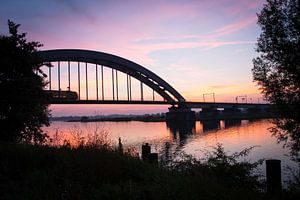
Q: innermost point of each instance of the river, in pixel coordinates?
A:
(198, 140)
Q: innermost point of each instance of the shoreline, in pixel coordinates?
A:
(160, 119)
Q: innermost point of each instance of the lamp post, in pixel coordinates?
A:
(213, 95)
(244, 97)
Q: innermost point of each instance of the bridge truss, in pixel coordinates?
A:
(100, 60)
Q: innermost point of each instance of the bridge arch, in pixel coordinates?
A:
(118, 63)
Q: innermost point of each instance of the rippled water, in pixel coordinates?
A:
(201, 138)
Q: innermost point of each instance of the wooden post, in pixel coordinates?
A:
(146, 150)
(120, 146)
(147, 155)
(273, 170)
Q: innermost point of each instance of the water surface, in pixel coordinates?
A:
(199, 139)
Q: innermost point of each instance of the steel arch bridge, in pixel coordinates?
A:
(132, 69)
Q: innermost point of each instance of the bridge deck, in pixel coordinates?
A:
(56, 101)
(188, 104)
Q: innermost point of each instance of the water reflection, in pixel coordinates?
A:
(181, 131)
(158, 133)
(232, 122)
(209, 125)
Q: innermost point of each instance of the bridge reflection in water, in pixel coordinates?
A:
(182, 131)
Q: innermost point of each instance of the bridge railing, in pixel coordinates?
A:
(84, 81)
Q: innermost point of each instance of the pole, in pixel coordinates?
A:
(49, 78)
(102, 82)
(153, 96)
(142, 95)
(117, 85)
(69, 76)
(78, 69)
(130, 88)
(146, 150)
(127, 87)
(113, 83)
(97, 82)
(58, 71)
(273, 172)
(86, 82)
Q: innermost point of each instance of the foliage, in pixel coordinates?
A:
(225, 168)
(98, 138)
(23, 103)
(277, 68)
(294, 184)
(43, 172)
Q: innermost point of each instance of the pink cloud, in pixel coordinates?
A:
(234, 27)
(117, 34)
(238, 8)
(183, 45)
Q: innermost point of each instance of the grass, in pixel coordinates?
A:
(44, 172)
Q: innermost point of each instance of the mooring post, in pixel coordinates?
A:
(146, 150)
(273, 171)
(147, 155)
(120, 146)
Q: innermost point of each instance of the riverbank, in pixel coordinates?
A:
(159, 117)
(142, 118)
(35, 172)
(42, 172)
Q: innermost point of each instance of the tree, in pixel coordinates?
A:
(23, 102)
(277, 67)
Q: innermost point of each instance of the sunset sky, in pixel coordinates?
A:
(199, 46)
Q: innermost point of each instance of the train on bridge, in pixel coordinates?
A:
(62, 95)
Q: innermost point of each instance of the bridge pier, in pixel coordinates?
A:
(180, 114)
(230, 113)
(208, 113)
(181, 121)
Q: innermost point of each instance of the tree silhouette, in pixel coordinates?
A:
(277, 68)
(23, 103)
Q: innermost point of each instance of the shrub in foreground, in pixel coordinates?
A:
(42, 172)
